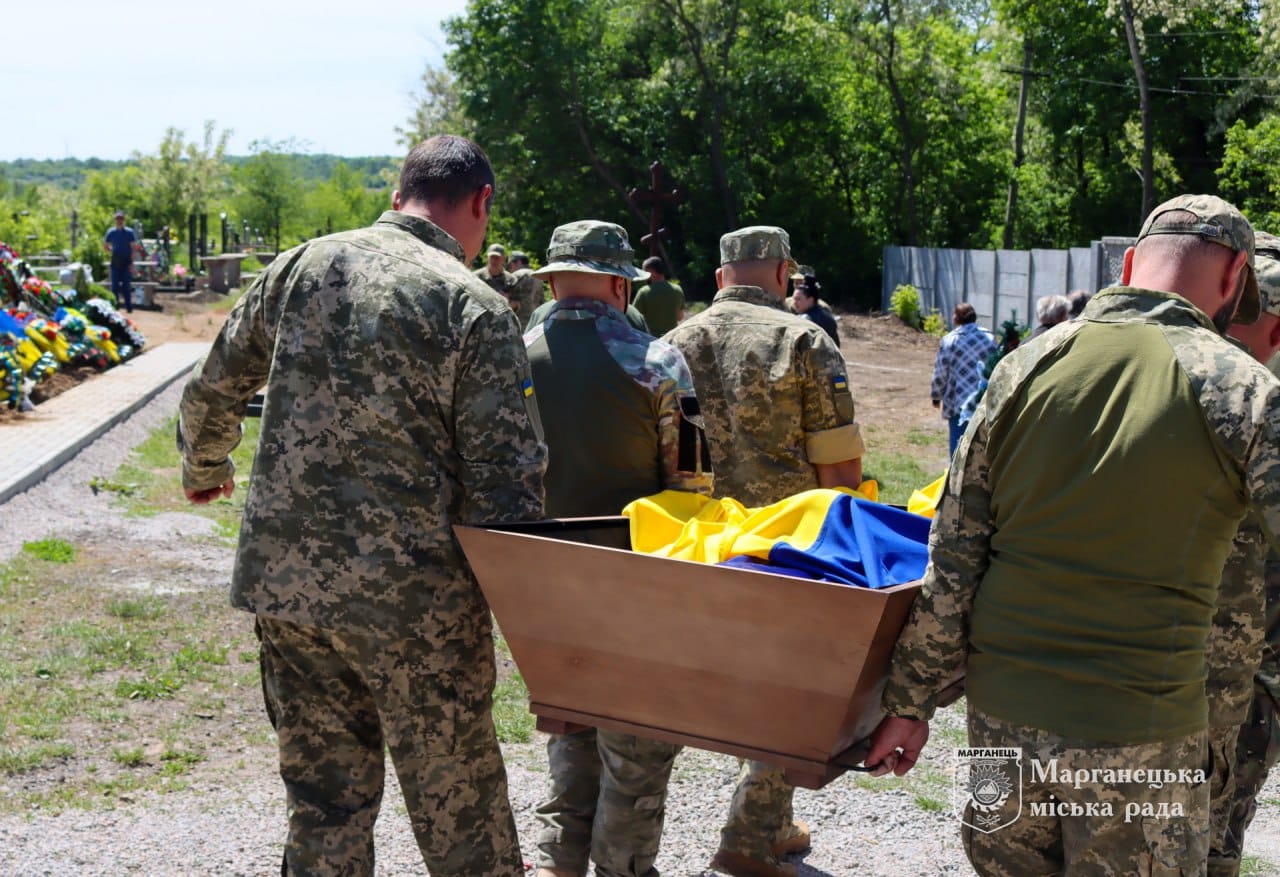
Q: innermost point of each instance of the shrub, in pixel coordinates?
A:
(905, 302)
(934, 324)
(98, 291)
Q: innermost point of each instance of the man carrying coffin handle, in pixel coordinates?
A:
(780, 418)
(1076, 555)
(621, 422)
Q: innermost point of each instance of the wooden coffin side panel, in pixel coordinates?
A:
(766, 661)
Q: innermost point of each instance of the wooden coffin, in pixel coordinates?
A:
(764, 666)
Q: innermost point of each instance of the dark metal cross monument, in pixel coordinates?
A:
(656, 199)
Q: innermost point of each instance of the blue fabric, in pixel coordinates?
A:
(121, 240)
(10, 325)
(955, 428)
(861, 543)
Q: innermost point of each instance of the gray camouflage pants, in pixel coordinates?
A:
(1076, 845)
(608, 802)
(1257, 750)
(335, 700)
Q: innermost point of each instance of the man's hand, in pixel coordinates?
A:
(204, 497)
(896, 745)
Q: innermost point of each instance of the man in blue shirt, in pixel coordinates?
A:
(119, 242)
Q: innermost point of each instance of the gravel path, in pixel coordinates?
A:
(233, 824)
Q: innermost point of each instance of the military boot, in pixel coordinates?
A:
(794, 839)
(738, 865)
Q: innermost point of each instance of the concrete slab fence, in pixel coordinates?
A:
(999, 283)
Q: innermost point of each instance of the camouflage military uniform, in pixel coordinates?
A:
(634, 318)
(1066, 594)
(1258, 745)
(394, 408)
(504, 284)
(530, 293)
(776, 400)
(1242, 706)
(622, 422)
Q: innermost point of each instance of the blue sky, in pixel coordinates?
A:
(84, 78)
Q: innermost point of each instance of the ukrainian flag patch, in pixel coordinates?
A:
(839, 383)
(527, 386)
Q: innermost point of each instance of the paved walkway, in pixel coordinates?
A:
(42, 440)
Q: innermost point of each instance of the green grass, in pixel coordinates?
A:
(153, 476)
(511, 716)
(897, 475)
(51, 550)
(1255, 866)
(926, 438)
(133, 757)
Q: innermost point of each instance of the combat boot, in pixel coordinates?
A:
(738, 865)
(795, 839)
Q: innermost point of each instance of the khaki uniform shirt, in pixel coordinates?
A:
(774, 395)
(398, 402)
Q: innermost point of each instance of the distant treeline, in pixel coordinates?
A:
(69, 173)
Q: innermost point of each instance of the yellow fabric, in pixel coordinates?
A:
(688, 526)
(924, 501)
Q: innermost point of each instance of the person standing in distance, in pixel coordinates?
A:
(119, 242)
(398, 403)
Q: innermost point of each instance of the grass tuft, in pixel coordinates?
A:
(51, 550)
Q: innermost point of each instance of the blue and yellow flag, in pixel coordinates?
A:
(839, 535)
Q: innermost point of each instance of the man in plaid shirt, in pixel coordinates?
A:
(958, 368)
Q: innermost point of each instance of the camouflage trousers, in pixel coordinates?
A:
(761, 813)
(1094, 827)
(608, 802)
(1257, 750)
(335, 700)
(1222, 792)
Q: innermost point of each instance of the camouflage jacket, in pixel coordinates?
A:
(398, 402)
(530, 292)
(1067, 542)
(619, 409)
(774, 394)
(504, 283)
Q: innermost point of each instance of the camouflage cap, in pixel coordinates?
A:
(1221, 223)
(589, 246)
(756, 243)
(497, 250)
(1266, 266)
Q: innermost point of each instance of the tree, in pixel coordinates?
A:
(269, 192)
(1250, 172)
(182, 178)
(437, 110)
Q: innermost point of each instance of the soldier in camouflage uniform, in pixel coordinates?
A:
(395, 407)
(529, 289)
(500, 280)
(1242, 707)
(1077, 580)
(780, 418)
(622, 422)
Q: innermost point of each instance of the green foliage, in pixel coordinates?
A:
(935, 324)
(268, 192)
(51, 550)
(905, 303)
(1250, 172)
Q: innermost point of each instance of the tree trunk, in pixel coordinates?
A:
(1011, 207)
(904, 125)
(1144, 106)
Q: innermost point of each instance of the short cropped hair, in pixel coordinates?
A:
(1078, 298)
(1052, 309)
(964, 313)
(445, 168)
(655, 263)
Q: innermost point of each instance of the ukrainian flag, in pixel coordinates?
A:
(839, 535)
